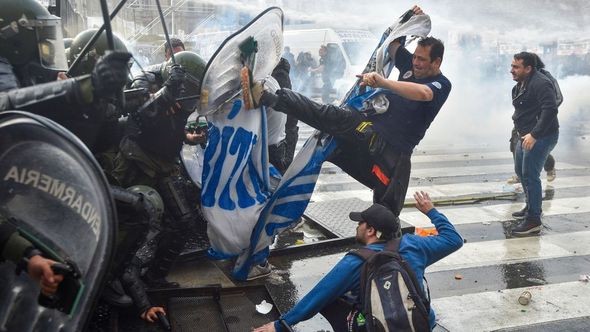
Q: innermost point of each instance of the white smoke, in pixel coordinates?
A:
(576, 99)
(479, 107)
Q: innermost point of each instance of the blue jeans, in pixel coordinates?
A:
(528, 165)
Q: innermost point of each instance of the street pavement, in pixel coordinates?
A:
(477, 288)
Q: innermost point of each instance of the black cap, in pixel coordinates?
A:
(378, 217)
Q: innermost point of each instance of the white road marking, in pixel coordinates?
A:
(488, 311)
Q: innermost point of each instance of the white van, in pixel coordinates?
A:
(354, 47)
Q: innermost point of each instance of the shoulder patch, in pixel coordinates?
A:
(437, 85)
(408, 74)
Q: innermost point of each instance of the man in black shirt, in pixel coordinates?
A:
(375, 147)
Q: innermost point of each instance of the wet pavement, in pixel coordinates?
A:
(493, 267)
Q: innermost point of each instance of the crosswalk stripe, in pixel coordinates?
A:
(475, 170)
(432, 173)
(497, 212)
(515, 250)
(466, 188)
(451, 190)
(488, 311)
(420, 158)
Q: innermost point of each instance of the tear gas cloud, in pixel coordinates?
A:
(480, 38)
(479, 108)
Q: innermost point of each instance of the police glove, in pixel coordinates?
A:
(109, 75)
(175, 83)
(268, 99)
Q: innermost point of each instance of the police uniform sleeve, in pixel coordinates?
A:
(7, 77)
(40, 98)
(13, 246)
(144, 80)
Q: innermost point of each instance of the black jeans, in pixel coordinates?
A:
(355, 154)
(336, 313)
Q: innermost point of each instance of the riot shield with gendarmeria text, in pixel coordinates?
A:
(53, 191)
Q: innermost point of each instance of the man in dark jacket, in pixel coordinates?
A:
(149, 155)
(550, 162)
(375, 147)
(535, 120)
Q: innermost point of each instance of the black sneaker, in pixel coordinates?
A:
(529, 226)
(518, 215)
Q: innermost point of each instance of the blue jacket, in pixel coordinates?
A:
(419, 252)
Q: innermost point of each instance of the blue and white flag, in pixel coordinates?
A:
(244, 199)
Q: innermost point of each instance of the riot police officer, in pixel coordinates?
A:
(107, 127)
(32, 53)
(149, 155)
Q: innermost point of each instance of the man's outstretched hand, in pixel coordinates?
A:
(423, 202)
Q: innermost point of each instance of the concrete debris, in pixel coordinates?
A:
(264, 307)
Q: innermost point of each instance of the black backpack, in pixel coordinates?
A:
(558, 94)
(390, 293)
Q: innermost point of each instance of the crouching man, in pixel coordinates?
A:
(338, 293)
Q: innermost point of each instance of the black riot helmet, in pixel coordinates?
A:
(31, 36)
(194, 66)
(68, 42)
(97, 50)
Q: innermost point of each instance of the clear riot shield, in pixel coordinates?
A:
(192, 157)
(54, 192)
(221, 82)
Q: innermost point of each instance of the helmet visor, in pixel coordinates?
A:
(52, 53)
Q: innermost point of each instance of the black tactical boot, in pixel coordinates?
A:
(168, 250)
